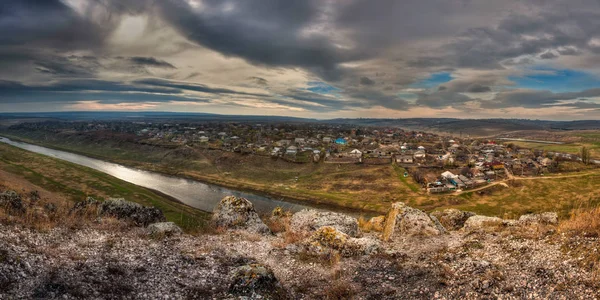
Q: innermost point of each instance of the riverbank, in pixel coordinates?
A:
(75, 182)
(334, 200)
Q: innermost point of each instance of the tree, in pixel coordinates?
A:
(585, 155)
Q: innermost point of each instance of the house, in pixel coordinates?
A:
(355, 153)
(421, 148)
(448, 175)
(419, 155)
(283, 143)
(291, 150)
(404, 159)
(300, 141)
(326, 139)
(203, 139)
(275, 151)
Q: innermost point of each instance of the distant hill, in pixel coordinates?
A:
(472, 127)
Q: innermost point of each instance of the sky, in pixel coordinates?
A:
(536, 59)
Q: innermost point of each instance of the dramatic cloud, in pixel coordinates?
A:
(303, 57)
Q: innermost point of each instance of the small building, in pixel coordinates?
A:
(341, 141)
(203, 139)
(326, 139)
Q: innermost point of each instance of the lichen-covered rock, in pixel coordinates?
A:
(480, 222)
(405, 220)
(311, 220)
(163, 229)
(452, 219)
(328, 238)
(546, 218)
(256, 281)
(12, 202)
(238, 213)
(131, 211)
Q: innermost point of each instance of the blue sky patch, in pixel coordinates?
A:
(434, 80)
(559, 81)
(322, 88)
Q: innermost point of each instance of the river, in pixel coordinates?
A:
(196, 194)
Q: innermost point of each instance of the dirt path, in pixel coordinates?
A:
(512, 177)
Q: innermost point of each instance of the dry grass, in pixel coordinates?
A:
(373, 224)
(339, 290)
(582, 222)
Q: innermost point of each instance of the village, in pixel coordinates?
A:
(439, 164)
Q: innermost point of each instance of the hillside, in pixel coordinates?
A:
(81, 252)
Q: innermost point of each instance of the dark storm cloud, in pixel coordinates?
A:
(334, 41)
(262, 32)
(51, 23)
(151, 62)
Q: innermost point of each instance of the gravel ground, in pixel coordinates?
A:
(95, 263)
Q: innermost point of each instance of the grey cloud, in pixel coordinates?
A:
(192, 87)
(548, 55)
(366, 81)
(441, 99)
(151, 62)
(536, 98)
(478, 88)
(569, 51)
(259, 80)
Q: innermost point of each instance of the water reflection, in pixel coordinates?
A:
(193, 193)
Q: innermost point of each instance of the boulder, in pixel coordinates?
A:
(311, 220)
(405, 220)
(452, 219)
(328, 238)
(131, 211)
(256, 281)
(480, 222)
(12, 202)
(163, 229)
(547, 218)
(238, 213)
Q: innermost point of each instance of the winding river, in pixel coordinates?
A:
(193, 193)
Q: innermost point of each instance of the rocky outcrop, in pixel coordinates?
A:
(130, 211)
(405, 220)
(87, 204)
(12, 201)
(311, 220)
(327, 239)
(481, 222)
(256, 281)
(546, 218)
(163, 229)
(452, 219)
(238, 213)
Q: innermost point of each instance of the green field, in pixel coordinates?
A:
(77, 182)
(358, 186)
